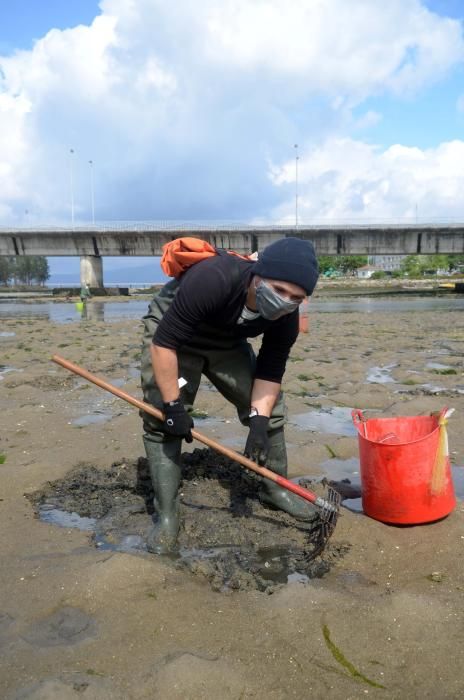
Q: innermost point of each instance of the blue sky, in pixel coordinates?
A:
(446, 8)
(24, 21)
(191, 111)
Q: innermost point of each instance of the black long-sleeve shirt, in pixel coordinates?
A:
(211, 295)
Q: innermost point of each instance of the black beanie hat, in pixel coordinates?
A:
(290, 260)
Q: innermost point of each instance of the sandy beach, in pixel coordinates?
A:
(80, 619)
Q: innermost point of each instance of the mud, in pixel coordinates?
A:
(45, 382)
(226, 536)
(388, 611)
(64, 626)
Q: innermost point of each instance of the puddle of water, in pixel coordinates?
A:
(4, 369)
(438, 351)
(433, 389)
(437, 365)
(338, 469)
(194, 553)
(118, 382)
(336, 421)
(62, 518)
(276, 565)
(273, 564)
(458, 481)
(380, 375)
(6, 334)
(91, 419)
(129, 544)
(346, 469)
(132, 543)
(353, 504)
(342, 470)
(297, 578)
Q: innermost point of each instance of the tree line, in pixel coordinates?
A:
(27, 270)
(419, 265)
(410, 266)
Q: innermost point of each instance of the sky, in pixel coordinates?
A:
(203, 111)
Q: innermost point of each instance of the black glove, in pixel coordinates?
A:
(257, 444)
(176, 420)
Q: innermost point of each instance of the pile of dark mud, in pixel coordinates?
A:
(226, 536)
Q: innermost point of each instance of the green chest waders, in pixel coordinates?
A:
(229, 364)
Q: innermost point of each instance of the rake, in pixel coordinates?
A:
(328, 508)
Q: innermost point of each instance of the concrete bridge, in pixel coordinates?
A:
(91, 243)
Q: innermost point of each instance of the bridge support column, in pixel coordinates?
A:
(92, 270)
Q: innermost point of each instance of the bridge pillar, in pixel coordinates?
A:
(91, 270)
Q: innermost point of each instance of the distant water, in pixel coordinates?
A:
(66, 312)
(132, 285)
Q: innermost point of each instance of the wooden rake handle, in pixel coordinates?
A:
(227, 452)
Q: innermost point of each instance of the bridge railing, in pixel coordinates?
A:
(235, 225)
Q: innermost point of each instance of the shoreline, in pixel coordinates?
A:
(345, 287)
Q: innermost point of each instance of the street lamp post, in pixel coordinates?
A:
(296, 185)
(71, 180)
(92, 191)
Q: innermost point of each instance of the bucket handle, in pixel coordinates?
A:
(439, 468)
(444, 414)
(359, 420)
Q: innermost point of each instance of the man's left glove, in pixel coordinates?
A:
(177, 421)
(257, 444)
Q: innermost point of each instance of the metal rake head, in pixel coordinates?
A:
(323, 528)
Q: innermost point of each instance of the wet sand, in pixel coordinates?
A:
(84, 621)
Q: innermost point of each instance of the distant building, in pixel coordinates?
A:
(386, 263)
(366, 271)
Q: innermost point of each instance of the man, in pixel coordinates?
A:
(199, 325)
(85, 293)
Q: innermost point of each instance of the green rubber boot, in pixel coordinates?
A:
(277, 497)
(164, 461)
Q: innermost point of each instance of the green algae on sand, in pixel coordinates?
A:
(341, 658)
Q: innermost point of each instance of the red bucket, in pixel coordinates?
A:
(405, 468)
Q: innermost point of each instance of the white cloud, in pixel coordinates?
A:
(355, 47)
(182, 105)
(343, 179)
(13, 111)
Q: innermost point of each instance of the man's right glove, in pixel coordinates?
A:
(176, 420)
(257, 444)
